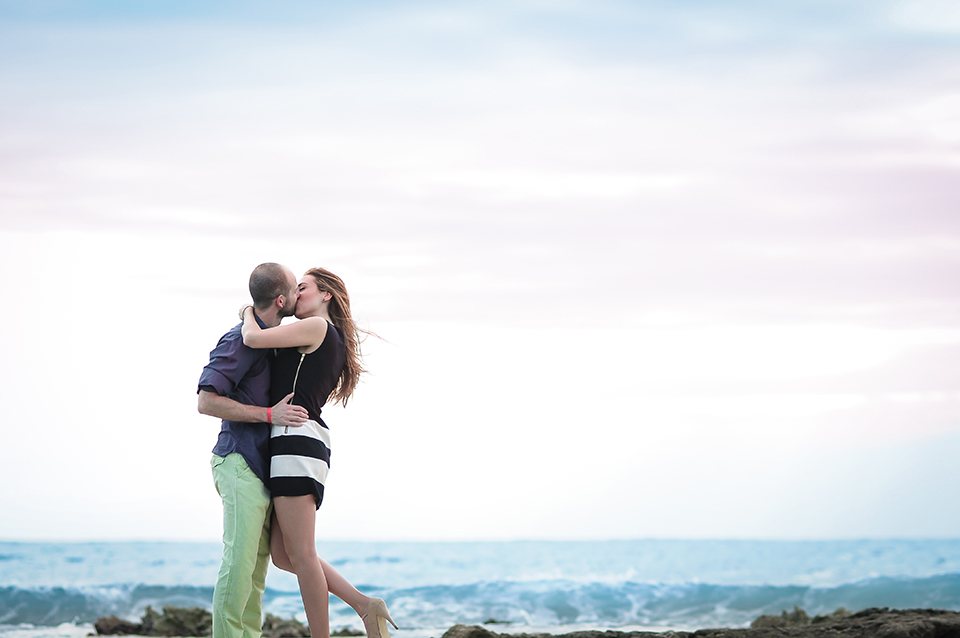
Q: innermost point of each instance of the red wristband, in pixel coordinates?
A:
(269, 416)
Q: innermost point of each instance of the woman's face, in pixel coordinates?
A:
(309, 297)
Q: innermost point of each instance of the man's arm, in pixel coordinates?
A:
(283, 413)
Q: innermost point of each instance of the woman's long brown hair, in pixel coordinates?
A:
(339, 310)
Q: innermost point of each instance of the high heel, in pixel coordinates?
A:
(375, 618)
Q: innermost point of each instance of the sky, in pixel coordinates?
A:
(640, 269)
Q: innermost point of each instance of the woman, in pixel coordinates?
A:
(318, 358)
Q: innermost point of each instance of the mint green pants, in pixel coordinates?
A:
(238, 595)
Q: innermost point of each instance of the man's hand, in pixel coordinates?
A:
(285, 413)
(282, 413)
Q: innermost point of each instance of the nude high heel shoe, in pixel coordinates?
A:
(375, 618)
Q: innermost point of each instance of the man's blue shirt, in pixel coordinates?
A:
(242, 374)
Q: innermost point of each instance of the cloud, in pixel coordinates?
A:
(702, 244)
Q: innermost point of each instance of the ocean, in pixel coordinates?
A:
(50, 590)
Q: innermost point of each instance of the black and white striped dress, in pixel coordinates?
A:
(300, 456)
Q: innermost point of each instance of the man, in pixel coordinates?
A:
(235, 386)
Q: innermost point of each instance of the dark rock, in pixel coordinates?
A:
(197, 622)
(113, 626)
(837, 615)
(174, 621)
(148, 620)
(795, 618)
(183, 621)
(473, 631)
(274, 627)
(870, 623)
(469, 631)
(347, 632)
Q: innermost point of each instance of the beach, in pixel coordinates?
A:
(58, 590)
(870, 623)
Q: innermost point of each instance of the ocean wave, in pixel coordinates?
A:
(50, 606)
(684, 605)
(541, 603)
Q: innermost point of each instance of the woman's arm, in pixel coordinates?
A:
(306, 332)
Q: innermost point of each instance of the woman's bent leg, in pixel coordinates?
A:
(373, 611)
(297, 516)
(342, 589)
(277, 551)
(336, 583)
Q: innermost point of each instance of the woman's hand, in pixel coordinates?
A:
(286, 413)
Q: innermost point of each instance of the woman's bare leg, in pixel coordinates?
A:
(342, 589)
(277, 551)
(336, 583)
(297, 516)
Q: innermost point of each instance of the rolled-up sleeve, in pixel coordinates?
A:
(229, 363)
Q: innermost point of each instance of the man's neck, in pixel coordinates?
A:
(270, 317)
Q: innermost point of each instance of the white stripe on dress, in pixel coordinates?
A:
(290, 465)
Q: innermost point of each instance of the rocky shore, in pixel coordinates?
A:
(869, 623)
(197, 622)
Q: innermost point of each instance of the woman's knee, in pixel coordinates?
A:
(296, 515)
(302, 557)
(282, 562)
